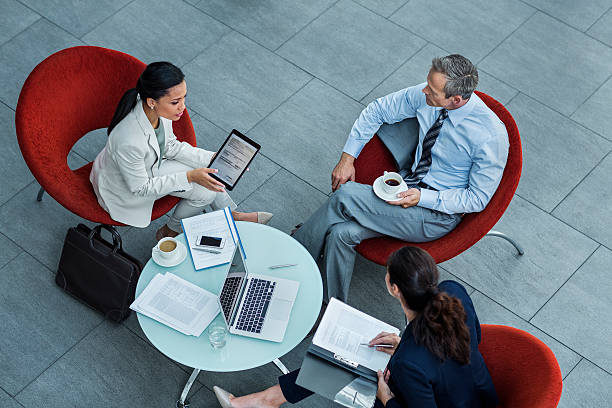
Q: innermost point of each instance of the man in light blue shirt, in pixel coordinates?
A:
(458, 164)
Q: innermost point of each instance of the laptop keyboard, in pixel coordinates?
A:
(230, 287)
(255, 306)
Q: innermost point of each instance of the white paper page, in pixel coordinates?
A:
(212, 224)
(343, 328)
(178, 304)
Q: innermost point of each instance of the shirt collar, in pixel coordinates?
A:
(457, 115)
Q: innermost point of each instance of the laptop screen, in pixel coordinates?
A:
(232, 287)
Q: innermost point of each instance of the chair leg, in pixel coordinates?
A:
(507, 238)
(40, 194)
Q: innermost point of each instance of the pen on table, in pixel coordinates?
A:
(212, 251)
(281, 266)
(376, 345)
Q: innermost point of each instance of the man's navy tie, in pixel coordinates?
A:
(425, 162)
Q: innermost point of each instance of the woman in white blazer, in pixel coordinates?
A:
(143, 161)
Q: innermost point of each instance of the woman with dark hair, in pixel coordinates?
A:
(143, 161)
(436, 362)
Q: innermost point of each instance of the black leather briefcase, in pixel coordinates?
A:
(97, 272)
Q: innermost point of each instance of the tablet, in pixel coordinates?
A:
(233, 158)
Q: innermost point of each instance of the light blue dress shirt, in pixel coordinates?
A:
(468, 159)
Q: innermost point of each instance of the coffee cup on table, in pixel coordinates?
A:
(167, 248)
(392, 182)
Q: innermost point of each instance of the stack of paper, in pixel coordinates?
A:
(216, 224)
(344, 330)
(177, 303)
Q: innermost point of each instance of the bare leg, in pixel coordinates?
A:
(240, 216)
(271, 398)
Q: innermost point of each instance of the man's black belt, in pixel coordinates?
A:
(426, 186)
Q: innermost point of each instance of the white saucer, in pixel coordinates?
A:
(181, 254)
(378, 190)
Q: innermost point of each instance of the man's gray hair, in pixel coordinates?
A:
(461, 75)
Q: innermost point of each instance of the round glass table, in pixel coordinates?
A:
(264, 247)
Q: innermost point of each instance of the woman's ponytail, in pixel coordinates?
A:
(126, 104)
(440, 321)
(154, 82)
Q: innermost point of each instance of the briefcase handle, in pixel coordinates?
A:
(117, 244)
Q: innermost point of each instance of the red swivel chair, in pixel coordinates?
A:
(524, 370)
(69, 94)
(375, 158)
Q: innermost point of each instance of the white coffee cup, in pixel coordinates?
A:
(166, 248)
(396, 182)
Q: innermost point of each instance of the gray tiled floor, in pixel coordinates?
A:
(294, 76)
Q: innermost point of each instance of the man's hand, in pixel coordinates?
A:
(343, 172)
(383, 393)
(386, 338)
(202, 177)
(408, 198)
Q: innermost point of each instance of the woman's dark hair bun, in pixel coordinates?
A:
(440, 319)
(154, 82)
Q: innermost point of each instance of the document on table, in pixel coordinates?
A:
(177, 303)
(218, 223)
(342, 330)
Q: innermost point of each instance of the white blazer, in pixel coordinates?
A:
(125, 174)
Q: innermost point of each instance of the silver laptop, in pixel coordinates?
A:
(255, 305)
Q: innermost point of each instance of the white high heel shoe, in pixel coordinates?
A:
(223, 397)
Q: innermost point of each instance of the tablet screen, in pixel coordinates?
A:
(233, 158)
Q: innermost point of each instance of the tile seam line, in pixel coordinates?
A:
(568, 25)
(5, 104)
(395, 70)
(23, 30)
(279, 105)
(513, 98)
(12, 259)
(598, 19)
(57, 359)
(564, 22)
(306, 25)
(18, 192)
(532, 325)
(591, 95)
(230, 27)
(560, 220)
(570, 371)
(561, 113)
(262, 184)
(62, 29)
(296, 176)
(500, 80)
(106, 19)
(562, 285)
(581, 181)
(207, 48)
(508, 36)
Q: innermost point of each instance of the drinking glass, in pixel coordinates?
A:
(217, 335)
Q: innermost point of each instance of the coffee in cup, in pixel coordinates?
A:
(392, 182)
(166, 247)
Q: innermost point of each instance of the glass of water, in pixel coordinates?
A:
(217, 335)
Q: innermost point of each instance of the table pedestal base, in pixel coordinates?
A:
(184, 403)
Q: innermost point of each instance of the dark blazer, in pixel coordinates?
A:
(419, 379)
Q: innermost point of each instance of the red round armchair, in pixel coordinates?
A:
(524, 370)
(375, 158)
(69, 94)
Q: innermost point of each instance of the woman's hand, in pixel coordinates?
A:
(202, 177)
(386, 338)
(383, 393)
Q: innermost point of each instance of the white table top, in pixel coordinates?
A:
(264, 246)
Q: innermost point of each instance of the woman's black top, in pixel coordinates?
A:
(418, 379)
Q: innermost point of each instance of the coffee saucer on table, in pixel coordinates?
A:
(382, 194)
(181, 254)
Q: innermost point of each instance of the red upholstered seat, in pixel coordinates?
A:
(69, 94)
(375, 158)
(525, 371)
